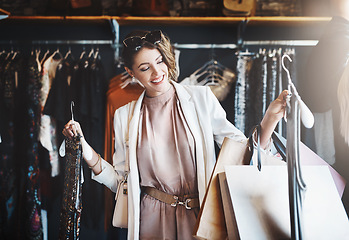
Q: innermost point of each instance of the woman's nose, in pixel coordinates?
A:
(156, 71)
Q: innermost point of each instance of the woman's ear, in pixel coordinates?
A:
(129, 71)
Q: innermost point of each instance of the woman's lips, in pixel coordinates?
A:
(158, 81)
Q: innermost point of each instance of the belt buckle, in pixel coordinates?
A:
(176, 201)
(185, 203)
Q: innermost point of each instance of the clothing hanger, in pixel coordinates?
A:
(44, 57)
(68, 54)
(245, 53)
(91, 53)
(9, 54)
(83, 53)
(306, 115)
(96, 54)
(69, 58)
(57, 54)
(62, 147)
(215, 74)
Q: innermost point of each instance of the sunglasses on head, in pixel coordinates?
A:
(137, 42)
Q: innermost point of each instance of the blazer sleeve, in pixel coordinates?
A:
(111, 174)
(221, 126)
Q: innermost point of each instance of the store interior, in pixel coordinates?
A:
(203, 33)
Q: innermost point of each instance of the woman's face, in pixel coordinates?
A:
(150, 69)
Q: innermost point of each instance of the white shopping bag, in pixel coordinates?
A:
(261, 205)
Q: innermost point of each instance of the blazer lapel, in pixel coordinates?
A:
(190, 114)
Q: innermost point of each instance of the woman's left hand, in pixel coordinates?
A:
(273, 115)
(276, 109)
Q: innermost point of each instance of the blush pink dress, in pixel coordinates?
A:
(166, 161)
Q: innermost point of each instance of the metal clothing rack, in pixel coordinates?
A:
(176, 45)
(78, 42)
(293, 43)
(60, 42)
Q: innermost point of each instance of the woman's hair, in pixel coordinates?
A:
(164, 46)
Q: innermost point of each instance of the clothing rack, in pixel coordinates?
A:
(297, 43)
(205, 46)
(293, 43)
(78, 42)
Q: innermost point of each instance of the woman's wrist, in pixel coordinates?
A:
(95, 164)
(268, 124)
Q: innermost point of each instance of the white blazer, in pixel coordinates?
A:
(207, 121)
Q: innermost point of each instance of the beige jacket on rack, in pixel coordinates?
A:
(207, 121)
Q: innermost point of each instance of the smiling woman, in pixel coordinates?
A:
(150, 69)
(166, 138)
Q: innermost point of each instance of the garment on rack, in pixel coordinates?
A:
(244, 65)
(222, 89)
(47, 132)
(33, 223)
(61, 94)
(260, 79)
(213, 74)
(90, 112)
(83, 82)
(116, 97)
(12, 147)
(257, 92)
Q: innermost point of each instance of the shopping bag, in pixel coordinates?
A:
(210, 223)
(260, 203)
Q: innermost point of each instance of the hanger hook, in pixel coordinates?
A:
(284, 67)
(71, 109)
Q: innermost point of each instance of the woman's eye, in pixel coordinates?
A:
(144, 69)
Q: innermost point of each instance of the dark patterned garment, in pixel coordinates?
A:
(33, 222)
(71, 204)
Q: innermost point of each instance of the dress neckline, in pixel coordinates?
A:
(163, 98)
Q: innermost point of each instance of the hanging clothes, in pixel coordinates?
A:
(91, 87)
(61, 94)
(83, 82)
(243, 68)
(260, 79)
(33, 224)
(12, 146)
(47, 133)
(219, 78)
(35, 88)
(273, 75)
(256, 104)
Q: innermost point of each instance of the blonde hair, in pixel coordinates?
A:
(343, 99)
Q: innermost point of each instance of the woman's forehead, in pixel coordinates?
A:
(146, 55)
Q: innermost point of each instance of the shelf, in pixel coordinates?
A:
(166, 21)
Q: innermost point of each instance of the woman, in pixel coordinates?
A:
(171, 141)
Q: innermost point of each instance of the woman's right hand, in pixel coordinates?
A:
(72, 129)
